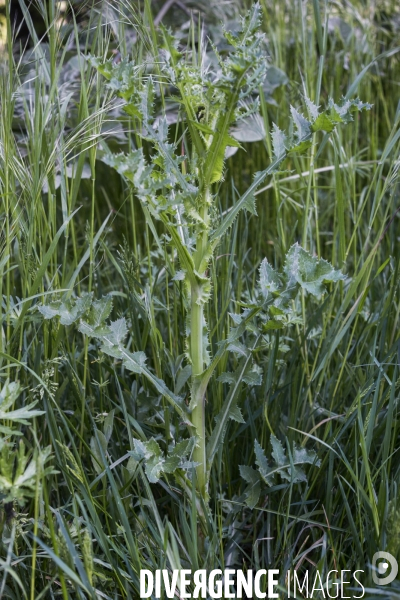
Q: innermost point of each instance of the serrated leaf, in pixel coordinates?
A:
(155, 462)
(96, 332)
(253, 490)
(309, 271)
(226, 378)
(279, 142)
(254, 376)
(136, 362)
(69, 311)
(342, 111)
(236, 414)
(49, 311)
(302, 147)
(323, 123)
(101, 310)
(302, 456)
(153, 458)
(119, 330)
(275, 311)
(262, 463)
(179, 276)
(272, 325)
(312, 108)
(250, 204)
(278, 452)
(237, 348)
(216, 156)
(20, 415)
(303, 127)
(177, 458)
(270, 281)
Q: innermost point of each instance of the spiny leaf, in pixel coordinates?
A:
(262, 463)
(155, 462)
(69, 311)
(303, 127)
(288, 471)
(309, 271)
(153, 458)
(342, 111)
(119, 330)
(279, 142)
(302, 456)
(253, 490)
(177, 458)
(312, 108)
(100, 311)
(323, 122)
(278, 452)
(270, 281)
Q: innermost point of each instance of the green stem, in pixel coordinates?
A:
(197, 350)
(198, 414)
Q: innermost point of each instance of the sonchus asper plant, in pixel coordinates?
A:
(180, 191)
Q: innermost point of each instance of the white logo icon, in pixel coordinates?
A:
(387, 566)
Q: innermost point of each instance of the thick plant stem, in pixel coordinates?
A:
(197, 350)
(198, 415)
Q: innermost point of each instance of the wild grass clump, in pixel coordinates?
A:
(199, 279)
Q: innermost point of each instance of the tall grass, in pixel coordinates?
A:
(88, 519)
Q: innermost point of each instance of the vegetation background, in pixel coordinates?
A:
(79, 517)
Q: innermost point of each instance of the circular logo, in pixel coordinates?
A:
(384, 568)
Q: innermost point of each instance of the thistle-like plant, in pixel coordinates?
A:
(180, 190)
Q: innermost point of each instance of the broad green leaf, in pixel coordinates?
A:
(323, 123)
(249, 129)
(272, 325)
(302, 456)
(309, 271)
(155, 462)
(301, 147)
(119, 330)
(100, 311)
(150, 452)
(69, 311)
(177, 458)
